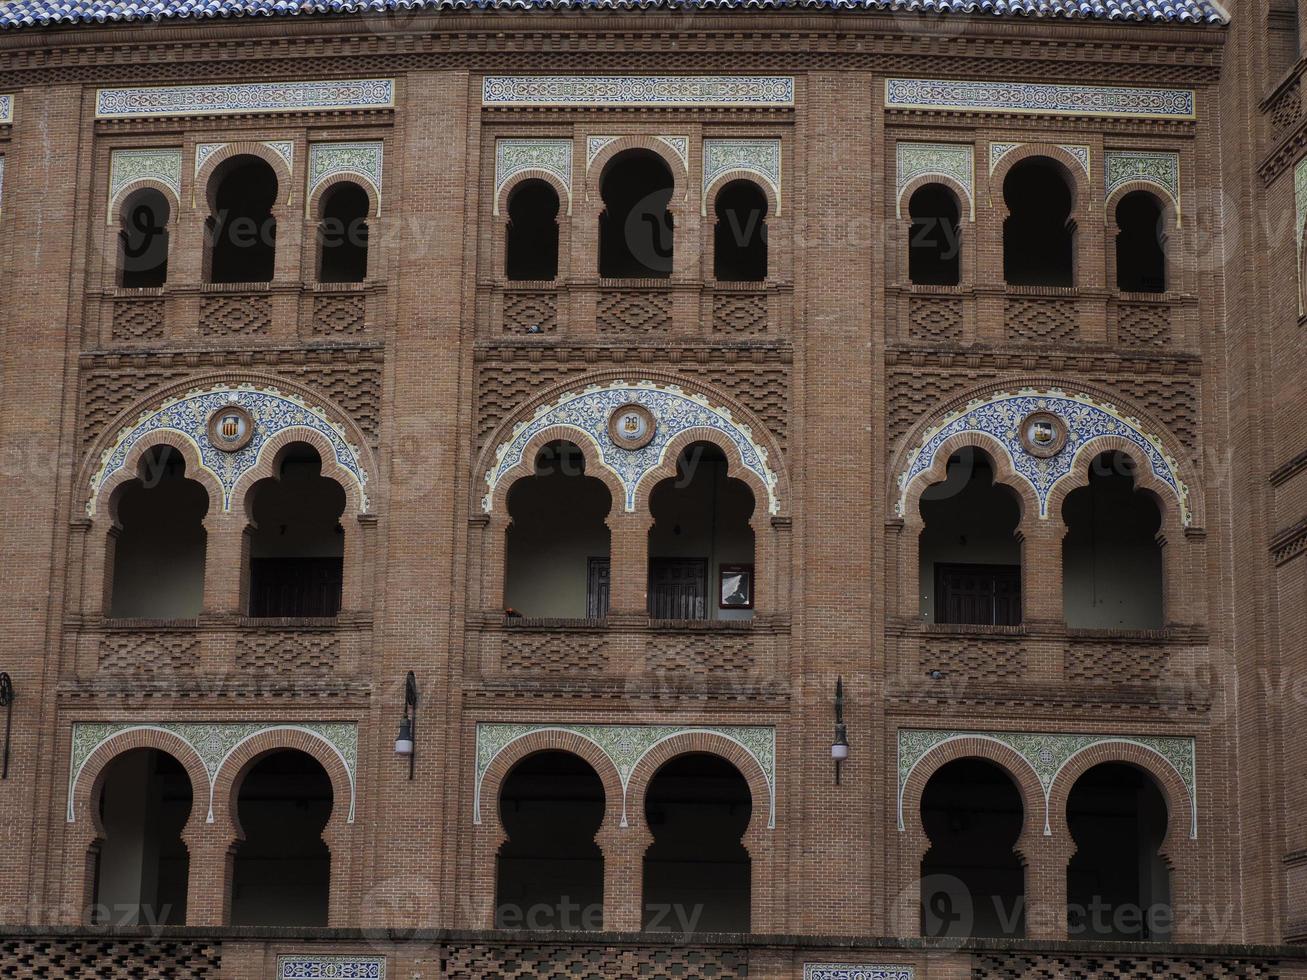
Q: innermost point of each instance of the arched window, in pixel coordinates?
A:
(558, 542)
(143, 240)
(970, 558)
(1140, 252)
(972, 884)
(531, 247)
(281, 875)
(142, 867)
(242, 231)
(740, 235)
(934, 249)
(550, 871)
(635, 228)
(1118, 885)
(701, 544)
(343, 234)
(1038, 234)
(296, 543)
(697, 871)
(1111, 559)
(158, 551)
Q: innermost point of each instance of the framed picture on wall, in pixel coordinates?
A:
(735, 586)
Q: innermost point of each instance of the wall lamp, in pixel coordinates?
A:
(6, 702)
(839, 749)
(408, 726)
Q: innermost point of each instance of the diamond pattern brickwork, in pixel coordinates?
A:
(87, 959)
(578, 962)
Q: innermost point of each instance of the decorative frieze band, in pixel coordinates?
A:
(1300, 204)
(255, 97)
(856, 971)
(255, 416)
(761, 158)
(956, 161)
(1159, 168)
(1003, 416)
(6, 110)
(360, 160)
(315, 966)
(129, 168)
(671, 411)
(625, 746)
(642, 91)
(213, 742)
(1078, 152)
(515, 156)
(1048, 754)
(950, 95)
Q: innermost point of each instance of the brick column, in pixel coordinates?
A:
(629, 550)
(208, 894)
(224, 561)
(624, 849)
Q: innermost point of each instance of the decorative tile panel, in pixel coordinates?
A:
(515, 156)
(130, 167)
(949, 95)
(594, 145)
(1000, 416)
(213, 742)
(1048, 754)
(273, 412)
(997, 151)
(284, 149)
(625, 746)
(648, 91)
(361, 160)
(953, 160)
(202, 153)
(587, 413)
(1300, 203)
(312, 966)
(227, 98)
(680, 145)
(6, 110)
(759, 157)
(1157, 167)
(856, 971)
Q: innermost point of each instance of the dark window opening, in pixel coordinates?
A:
(143, 240)
(158, 553)
(242, 231)
(934, 249)
(142, 867)
(557, 536)
(343, 234)
(970, 558)
(1111, 558)
(701, 526)
(740, 235)
(1140, 252)
(972, 883)
(1118, 884)
(296, 543)
(281, 874)
(550, 871)
(1038, 237)
(697, 871)
(635, 228)
(531, 249)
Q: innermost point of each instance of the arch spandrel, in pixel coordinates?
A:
(588, 414)
(1088, 423)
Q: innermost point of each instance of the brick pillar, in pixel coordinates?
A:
(624, 849)
(224, 561)
(208, 894)
(1046, 861)
(630, 562)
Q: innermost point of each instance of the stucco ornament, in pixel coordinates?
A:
(761, 158)
(362, 161)
(129, 169)
(955, 161)
(515, 156)
(1159, 168)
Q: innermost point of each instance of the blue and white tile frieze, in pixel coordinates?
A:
(949, 95)
(1047, 754)
(254, 97)
(213, 742)
(725, 91)
(273, 412)
(625, 746)
(130, 167)
(6, 110)
(955, 161)
(856, 971)
(587, 413)
(515, 156)
(1000, 416)
(761, 158)
(314, 966)
(361, 160)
